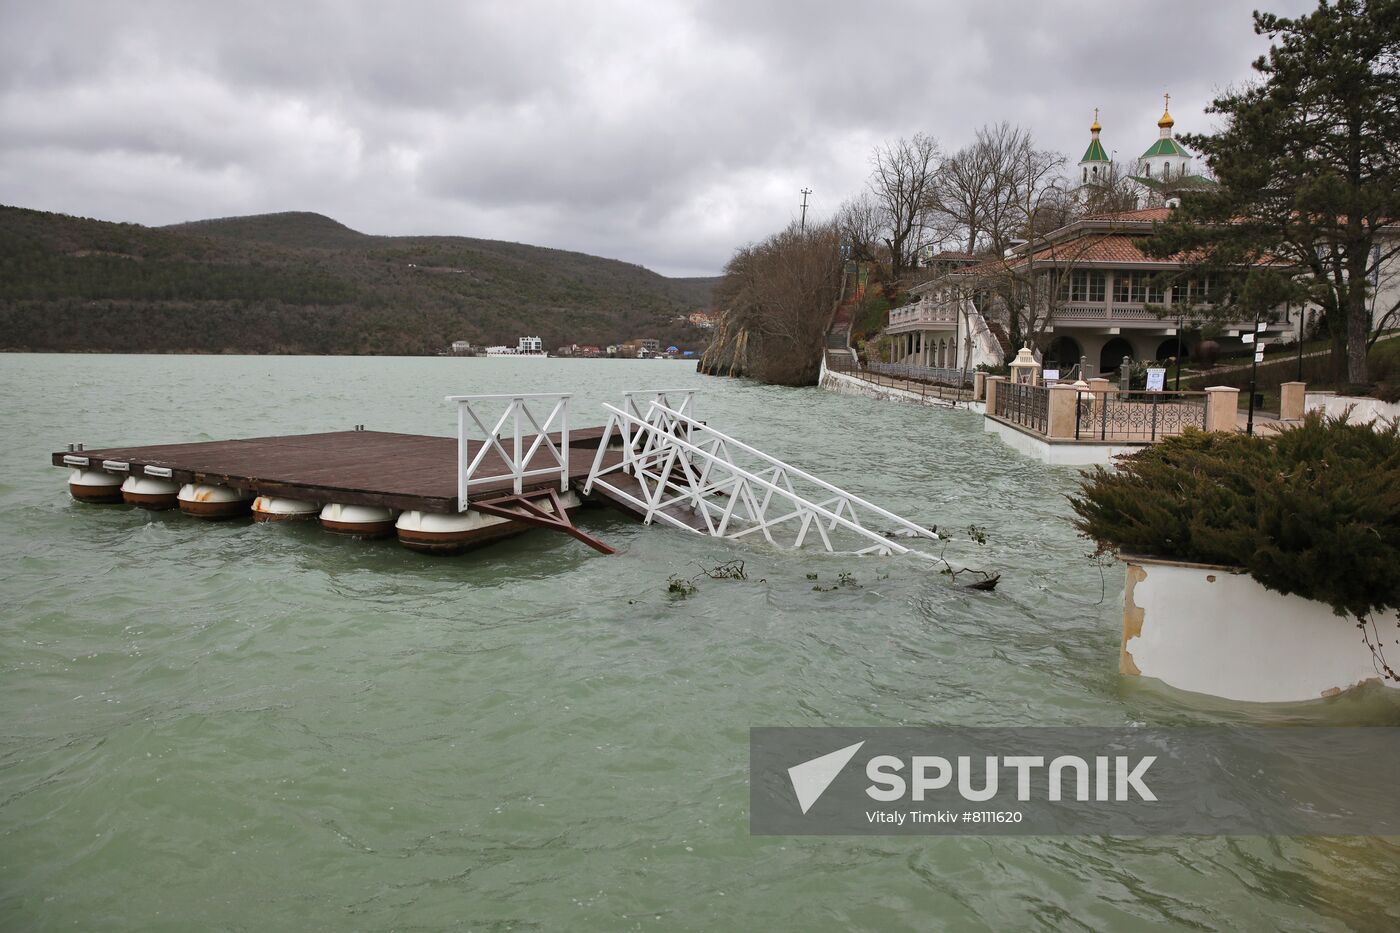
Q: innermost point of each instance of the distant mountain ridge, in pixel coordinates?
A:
(285, 228)
(299, 282)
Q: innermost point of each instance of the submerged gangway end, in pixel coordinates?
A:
(664, 465)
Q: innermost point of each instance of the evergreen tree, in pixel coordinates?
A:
(1308, 162)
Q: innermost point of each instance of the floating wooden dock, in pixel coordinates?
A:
(515, 464)
(377, 468)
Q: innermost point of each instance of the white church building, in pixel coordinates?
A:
(1161, 172)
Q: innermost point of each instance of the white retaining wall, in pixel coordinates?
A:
(845, 384)
(1363, 410)
(1215, 630)
(1056, 453)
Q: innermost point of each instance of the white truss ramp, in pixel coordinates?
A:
(665, 466)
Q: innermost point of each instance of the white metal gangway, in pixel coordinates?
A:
(656, 460)
(668, 467)
(529, 437)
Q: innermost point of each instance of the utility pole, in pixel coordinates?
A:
(802, 227)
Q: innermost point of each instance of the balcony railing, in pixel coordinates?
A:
(923, 314)
(1125, 312)
(1108, 311)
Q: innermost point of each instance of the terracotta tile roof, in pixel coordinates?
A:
(1106, 247)
(1146, 215)
(1100, 247)
(987, 266)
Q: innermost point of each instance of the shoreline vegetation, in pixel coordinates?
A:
(299, 283)
(1293, 220)
(777, 299)
(1312, 510)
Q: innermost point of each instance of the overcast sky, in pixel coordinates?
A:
(662, 133)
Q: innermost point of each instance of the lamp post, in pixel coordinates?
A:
(1180, 323)
(1302, 332)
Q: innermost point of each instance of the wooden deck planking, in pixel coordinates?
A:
(405, 471)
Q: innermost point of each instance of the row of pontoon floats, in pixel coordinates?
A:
(430, 532)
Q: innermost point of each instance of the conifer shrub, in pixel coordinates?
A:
(1312, 511)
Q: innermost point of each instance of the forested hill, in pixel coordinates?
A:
(304, 283)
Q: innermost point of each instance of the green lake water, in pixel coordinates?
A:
(266, 727)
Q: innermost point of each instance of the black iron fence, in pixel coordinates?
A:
(944, 375)
(914, 379)
(1026, 405)
(1137, 416)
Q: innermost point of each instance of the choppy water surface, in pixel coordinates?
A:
(267, 727)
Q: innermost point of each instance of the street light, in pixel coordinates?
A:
(1180, 325)
(1302, 333)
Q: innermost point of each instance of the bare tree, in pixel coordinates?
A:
(1055, 207)
(777, 299)
(859, 223)
(1026, 200)
(1019, 296)
(963, 192)
(1110, 192)
(988, 188)
(902, 185)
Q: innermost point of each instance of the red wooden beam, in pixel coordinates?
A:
(521, 509)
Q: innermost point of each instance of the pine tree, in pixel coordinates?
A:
(1308, 163)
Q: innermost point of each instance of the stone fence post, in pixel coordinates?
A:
(1099, 386)
(979, 385)
(1291, 396)
(993, 382)
(1222, 407)
(1061, 418)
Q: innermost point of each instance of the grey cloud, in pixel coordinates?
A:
(659, 133)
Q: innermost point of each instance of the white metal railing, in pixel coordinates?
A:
(640, 405)
(638, 401)
(509, 427)
(732, 490)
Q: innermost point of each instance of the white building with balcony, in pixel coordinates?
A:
(1098, 292)
(940, 328)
